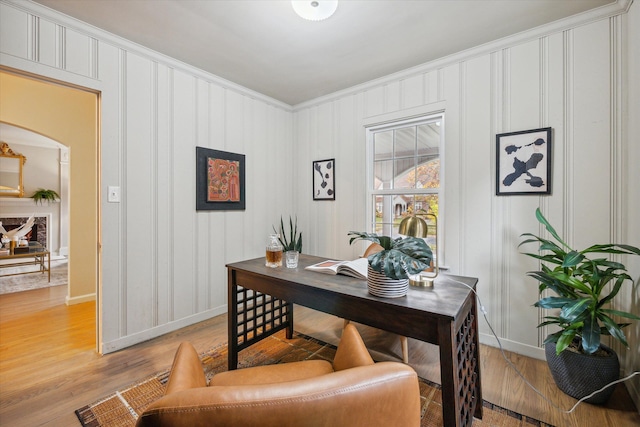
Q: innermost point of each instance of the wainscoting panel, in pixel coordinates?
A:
(79, 52)
(474, 175)
(14, 31)
(413, 91)
(592, 142)
(202, 242)
(523, 97)
(184, 231)
(136, 193)
(48, 39)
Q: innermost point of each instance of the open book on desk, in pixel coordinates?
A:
(356, 268)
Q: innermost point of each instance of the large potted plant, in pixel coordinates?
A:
(389, 269)
(583, 286)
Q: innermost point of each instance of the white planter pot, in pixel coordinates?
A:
(382, 286)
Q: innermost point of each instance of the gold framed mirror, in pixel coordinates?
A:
(11, 165)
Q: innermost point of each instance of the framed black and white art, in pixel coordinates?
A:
(523, 162)
(324, 184)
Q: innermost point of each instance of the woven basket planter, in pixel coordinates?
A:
(579, 375)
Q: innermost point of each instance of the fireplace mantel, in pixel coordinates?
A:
(8, 201)
(14, 207)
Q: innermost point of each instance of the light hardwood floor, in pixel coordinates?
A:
(48, 366)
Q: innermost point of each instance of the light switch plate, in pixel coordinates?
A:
(113, 195)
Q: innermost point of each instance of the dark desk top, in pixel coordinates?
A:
(445, 300)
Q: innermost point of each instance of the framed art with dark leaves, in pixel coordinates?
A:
(324, 184)
(523, 162)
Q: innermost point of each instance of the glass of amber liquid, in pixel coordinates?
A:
(274, 252)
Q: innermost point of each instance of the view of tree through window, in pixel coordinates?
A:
(405, 162)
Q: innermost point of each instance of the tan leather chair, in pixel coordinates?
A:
(353, 391)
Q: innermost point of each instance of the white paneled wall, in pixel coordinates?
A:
(163, 263)
(630, 177)
(567, 79)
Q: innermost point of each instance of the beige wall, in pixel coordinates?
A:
(68, 116)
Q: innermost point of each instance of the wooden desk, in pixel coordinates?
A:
(261, 303)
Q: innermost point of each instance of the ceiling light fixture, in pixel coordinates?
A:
(315, 10)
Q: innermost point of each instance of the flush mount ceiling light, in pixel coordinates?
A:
(315, 10)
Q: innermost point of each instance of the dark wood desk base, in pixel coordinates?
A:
(261, 303)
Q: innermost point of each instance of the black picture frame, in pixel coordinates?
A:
(220, 180)
(324, 182)
(523, 162)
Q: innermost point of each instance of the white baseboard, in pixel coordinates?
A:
(515, 347)
(128, 341)
(80, 299)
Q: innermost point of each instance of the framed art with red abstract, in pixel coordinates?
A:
(220, 180)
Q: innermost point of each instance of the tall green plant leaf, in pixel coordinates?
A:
(614, 329)
(591, 335)
(581, 285)
(549, 228)
(572, 259)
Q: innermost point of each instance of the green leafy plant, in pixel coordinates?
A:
(294, 242)
(580, 284)
(400, 257)
(42, 195)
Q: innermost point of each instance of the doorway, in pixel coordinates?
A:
(69, 115)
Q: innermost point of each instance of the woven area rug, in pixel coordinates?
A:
(37, 280)
(121, 408)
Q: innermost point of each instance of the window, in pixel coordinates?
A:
(404, 173)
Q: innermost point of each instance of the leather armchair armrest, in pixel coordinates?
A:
(187, 371)
(341, 398)
(351, 350)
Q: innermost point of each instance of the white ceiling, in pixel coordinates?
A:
(263, 45)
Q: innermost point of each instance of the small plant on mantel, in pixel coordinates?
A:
(41, 195)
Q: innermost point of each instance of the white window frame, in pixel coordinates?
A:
(396, 123)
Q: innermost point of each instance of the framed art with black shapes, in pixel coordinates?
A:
(523, 162)
(220, 180)
(324, 184)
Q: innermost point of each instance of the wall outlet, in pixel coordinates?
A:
(113, 195)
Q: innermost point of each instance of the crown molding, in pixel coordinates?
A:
(613, 9)
(618, 7)
(31, 7)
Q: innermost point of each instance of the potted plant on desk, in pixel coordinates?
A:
(389, 269)
(291, 246)
(578, 361)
